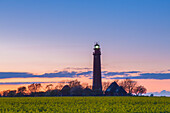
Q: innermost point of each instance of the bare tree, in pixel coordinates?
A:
(34, 87)
(105, 85)
(74, 83)
(22, 89)
(128, 85)
(59, 86)
(5, 93)
(49, 87)
(139, 90)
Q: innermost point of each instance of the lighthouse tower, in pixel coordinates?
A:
(97, 83)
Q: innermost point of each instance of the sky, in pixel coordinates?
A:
(39, 37)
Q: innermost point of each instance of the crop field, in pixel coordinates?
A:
(84, 104)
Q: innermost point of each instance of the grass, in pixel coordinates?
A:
(84, 104)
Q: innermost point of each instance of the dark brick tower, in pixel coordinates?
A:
(97, 83)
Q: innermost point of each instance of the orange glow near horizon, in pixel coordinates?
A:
(150, 84)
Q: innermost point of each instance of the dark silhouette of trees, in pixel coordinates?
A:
(34, 87)
(151, 95)
(128, 85)
(87, 92)
(59, 86)
(5, 93)
(75, 88)
(22, 89)
(65, 90)
(90, 87)
(55, 92)
(74, 83)
(11, 93)
(52, 92)
(49, 87)
(139, 90)
(76, 91)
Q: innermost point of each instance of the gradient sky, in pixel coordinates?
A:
(44, 36)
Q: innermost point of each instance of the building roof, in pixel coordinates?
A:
(112, 87)
(115, 90)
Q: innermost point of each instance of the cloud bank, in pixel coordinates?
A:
(105, 74)
(72, 74)
(126, 73)
(17, 83)
(159, 76)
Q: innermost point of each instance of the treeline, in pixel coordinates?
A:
(72, 88)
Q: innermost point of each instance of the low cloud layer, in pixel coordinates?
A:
(72, 74)
(15, 75)
(159, 76)
(126, 73)
(105, 74)
(76, 68)
(17, 83)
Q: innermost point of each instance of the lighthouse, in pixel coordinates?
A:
(97, 83)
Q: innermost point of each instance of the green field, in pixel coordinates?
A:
(84, 104)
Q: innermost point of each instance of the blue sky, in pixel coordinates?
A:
(55, 39)
(43, 36)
